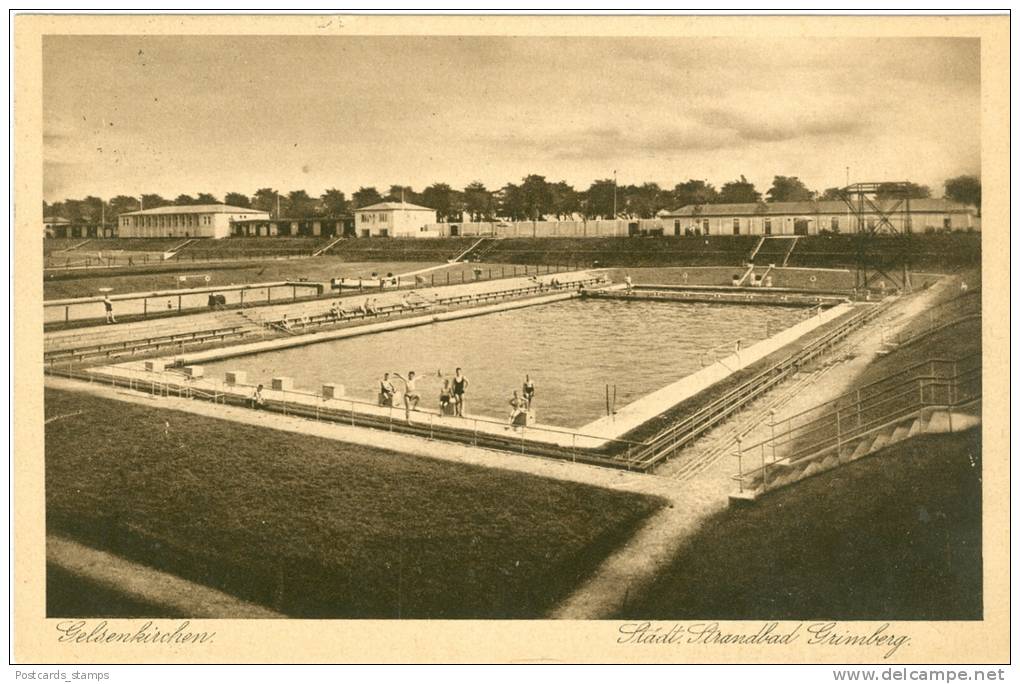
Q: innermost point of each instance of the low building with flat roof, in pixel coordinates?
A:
(188, 221)
(814, 217)
(56, 227)
(394, 219)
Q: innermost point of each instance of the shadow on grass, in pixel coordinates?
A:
(316, 528)
(896, 536)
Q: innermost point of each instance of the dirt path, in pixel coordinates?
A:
(146, 584)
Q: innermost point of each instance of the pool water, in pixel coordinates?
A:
(571, 349)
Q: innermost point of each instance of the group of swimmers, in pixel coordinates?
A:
(451, 395)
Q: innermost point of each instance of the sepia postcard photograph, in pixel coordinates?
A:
(490, 339)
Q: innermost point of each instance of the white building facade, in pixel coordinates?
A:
(394, 219)
(815, 217)
(190, 221)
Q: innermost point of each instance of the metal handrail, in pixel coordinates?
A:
(842, 439)
(860, 407)
(856, 394)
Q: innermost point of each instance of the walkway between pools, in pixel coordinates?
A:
(293, 309)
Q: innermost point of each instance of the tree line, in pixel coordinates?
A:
(534, 198)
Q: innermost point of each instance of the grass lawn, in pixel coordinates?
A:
(317, 528)
(895, 536)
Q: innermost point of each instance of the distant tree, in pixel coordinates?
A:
(478, 202)
(206, 198)
(184, 200)
(334, 203)
(91, 209)
(154, 201)
(403, 193)
(739, 191)
(600, 199)
(237, 199)
(788, 189)
(121, 204)
(694, 192)
(265, 199)
(511, 203)
(643, 201)
(536, 194)
(564, 200)
(365, 197)
(832, 194)
(72, 210)
(445, 200)
(965, 190)
(893, 191)
(300, 205)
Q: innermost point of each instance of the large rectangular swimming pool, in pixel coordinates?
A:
(572, 350)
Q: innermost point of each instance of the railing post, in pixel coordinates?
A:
(772, 425)
(955, 385)
(839, 436)
(764, 472)
(740, 467)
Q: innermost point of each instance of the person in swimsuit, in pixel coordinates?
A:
(257, 400)
(411, 396)
(108, 305)
(386, 391)
(528, 390)
(517, 406)
(460, 384)
(445, 398)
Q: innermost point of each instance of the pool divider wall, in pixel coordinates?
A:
(317, 337)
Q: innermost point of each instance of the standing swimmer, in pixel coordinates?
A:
(411, 396)
(460, 384)
(108, 304)
(528, 390)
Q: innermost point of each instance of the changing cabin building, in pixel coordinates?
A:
(188, 221)
(395, 219)
(816, 217)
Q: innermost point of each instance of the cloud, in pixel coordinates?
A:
(710, 130)
(781, 126)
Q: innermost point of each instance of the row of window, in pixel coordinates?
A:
(801, 224)
(168, 221)
(372, 218)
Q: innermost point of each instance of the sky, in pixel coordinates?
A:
(189, 114)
